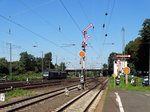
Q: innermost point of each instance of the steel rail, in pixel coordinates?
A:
(86, 109)
(19, 101)
(29, 104)
(73, 101)
(30, 98)
(32, 86)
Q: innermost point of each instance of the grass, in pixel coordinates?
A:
(129, 86)
(29, 75)
(106, 96)
(17, 92)
(71, 76)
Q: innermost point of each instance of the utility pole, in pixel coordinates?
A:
(123, 39)
(10, 66)
(123, 45)
(149, 62)
(56, 63)
(42, 62)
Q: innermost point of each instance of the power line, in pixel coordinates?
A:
(111, 13)
(42, 18)
(70, 16)
(36, 34)
(81, 6)
(42, 4)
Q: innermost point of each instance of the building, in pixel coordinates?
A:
(118, 66)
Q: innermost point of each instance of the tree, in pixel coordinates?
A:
(15, 67)
(145, 32)
(105, 66)
(132, 48)
(27, 62)
(62, 66)
(3, 66)
(139, 49)
(38, 66)
(47, 61)
(143, 52)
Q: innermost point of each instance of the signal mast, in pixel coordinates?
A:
(82, 54)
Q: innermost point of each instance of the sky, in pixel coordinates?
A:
(54, 25)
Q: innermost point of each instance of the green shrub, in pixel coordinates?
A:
(71, 76)
(16, 92)
(29, 75)
(129, 86)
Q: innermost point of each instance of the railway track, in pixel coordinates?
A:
(20, 104)
(33, 85)
(14, 106)
(83, 102)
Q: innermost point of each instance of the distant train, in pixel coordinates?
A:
(54, 75)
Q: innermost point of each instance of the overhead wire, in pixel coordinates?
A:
(38, 6)
(106, 14)
(74, 21)
(110, 15)
(43, 19)
(34, 33)
(88, 20)
(81, 6)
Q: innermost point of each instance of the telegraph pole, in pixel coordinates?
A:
(42, 62)
(56, 63)
(123, 39)
(10, 66)
(149, 62)
(123, 44)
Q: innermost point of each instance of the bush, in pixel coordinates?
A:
(29, 75)
(129, 86)
(16, 92)
(71, 76)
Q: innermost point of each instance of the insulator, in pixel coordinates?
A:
(106, 13)
(103, 25)
(105, 35)
(93, 27)
(59, 28)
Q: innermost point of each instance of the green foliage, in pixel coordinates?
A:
(71, 76)
(27, 62)
(47, 61)
(139, 49)
(30, 75)
(62, 66)
(92, 74)
(105, 66)
(3, 66)
(129, 86)
(106, 96)
(16, 92)
(28, 66)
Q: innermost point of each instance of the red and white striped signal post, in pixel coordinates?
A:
(82, 53)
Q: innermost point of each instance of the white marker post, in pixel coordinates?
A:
(2, 97)
(114, 75)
